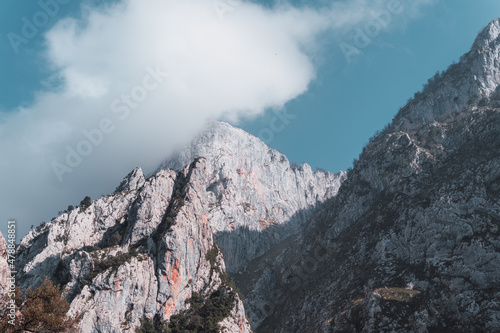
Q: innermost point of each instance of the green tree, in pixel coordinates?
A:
(85, 203)
(151, 326)
(43, 310)
(203, 316)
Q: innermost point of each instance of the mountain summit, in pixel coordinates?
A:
(256, 198)
(471, 81)
(411, 241)
(159, 243)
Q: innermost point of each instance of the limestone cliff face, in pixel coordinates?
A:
(252, 191)
(4, 267)
(143, 250)
(411, 242)
(139, 252)
(4, 274)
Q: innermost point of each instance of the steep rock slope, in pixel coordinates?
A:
(147, 248)
(4, 275)
(139, 252)
(253, 191)
(412, 241)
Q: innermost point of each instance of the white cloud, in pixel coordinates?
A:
(252, 59)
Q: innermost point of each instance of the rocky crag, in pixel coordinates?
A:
(412, 241)
(5, 274)
(256, 199)
(145, 249)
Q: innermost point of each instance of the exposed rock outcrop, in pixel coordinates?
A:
(144, 250)
(253, 191)
(4, 275)
(421, 208)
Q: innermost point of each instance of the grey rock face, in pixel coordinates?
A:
(253, 191)
(142, 250)
(139, 252)
(133, 181)
(4, 275)
(471, 81)
(4, 266)
(420, 209)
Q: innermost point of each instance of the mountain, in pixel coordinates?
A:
(256, 198)
(411, 243)
(159, 243)
(407, 241)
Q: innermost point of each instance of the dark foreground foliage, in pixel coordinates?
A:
(203, 316)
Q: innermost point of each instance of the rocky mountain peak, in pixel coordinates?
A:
(133, 181)
(257, 198)
(219, 143)
(155, 242)
(471, 81)
(218, 138)
(489, 34)
(484, 59)
(411, 241)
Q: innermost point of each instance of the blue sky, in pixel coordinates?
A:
(347, 103)
(335, 104)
